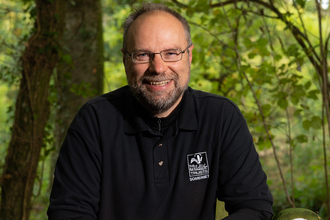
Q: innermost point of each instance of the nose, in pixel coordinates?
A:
(157, 65)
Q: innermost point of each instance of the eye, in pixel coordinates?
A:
(142, 55)
(170, 53)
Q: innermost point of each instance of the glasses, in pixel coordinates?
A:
(171, 55)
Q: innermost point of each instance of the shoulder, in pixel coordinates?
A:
(210, 101)
(105, 106)
(114, 98)
(118, 94)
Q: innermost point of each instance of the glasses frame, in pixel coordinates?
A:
(160, 53)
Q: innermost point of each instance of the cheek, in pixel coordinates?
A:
(184, 78)
(135, 71)
(183, 72)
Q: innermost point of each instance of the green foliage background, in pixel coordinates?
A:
(234, 46)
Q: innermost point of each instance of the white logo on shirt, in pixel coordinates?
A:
(198, 166)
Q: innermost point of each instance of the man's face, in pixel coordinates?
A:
(158, 85)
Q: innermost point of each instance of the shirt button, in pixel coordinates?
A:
(161, 163)
(160, 145)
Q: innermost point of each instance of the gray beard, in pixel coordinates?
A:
(149, 98)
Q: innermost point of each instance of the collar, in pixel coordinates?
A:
(162, 124)
(135, 114)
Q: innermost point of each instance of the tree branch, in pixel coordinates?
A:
(325, 96)
(213, 35)
(261, 113)
(298, 35)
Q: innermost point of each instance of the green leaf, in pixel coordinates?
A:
(301, 3)
(282, 67)
(216, 12)
(204, 18)
(308, 85)
(306, 124)
(299, 91)
(278, 57)
(304, 106)
(293, 50)
(285, 81)
(259, 129)
(67, 59)
(262, 42)
(295, 99)
(297, 112)
(283, 103)
(316, 122)
(266, 109)
(10, 109)
(313, 94)
(247, 42)
(202, 5)
(263, 143)
(251, 55)
(302, 138)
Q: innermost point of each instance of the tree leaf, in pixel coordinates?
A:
(67, 58)
(302, 138)
(301, 3)
(297, 112)
(295, 99)
(262, 42)
(306, 124)
(313, 94)
(308, 85)
(283, 103)
(316, 122)
(251, 55)
(278, 57)
(266, 109)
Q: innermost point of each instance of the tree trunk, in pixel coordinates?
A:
(31, 114)
(80, 73)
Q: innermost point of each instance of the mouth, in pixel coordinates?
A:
(158, 83)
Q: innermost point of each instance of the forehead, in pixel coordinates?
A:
(156, 30)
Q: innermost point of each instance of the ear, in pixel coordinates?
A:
(190, 53)
(123, 51)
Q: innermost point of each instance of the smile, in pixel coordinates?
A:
(161, 83)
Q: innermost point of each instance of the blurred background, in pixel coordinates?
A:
(271, 57)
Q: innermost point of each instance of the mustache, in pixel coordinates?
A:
(158, 77)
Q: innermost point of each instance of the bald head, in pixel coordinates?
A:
(153, 29)
(154, 8)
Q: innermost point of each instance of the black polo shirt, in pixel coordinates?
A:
(113, 166)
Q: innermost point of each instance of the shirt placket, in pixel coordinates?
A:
(161, 163)
(161, 158)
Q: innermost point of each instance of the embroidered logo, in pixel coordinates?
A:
(198, 166)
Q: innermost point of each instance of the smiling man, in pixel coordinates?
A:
(158, 80)
(157, 149)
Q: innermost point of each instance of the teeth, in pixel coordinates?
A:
(162, 83)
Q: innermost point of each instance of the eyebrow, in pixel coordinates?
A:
(169, 48)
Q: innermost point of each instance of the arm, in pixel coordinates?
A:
(76, 218)
(242, 182)
(75, 192)
(249, 214)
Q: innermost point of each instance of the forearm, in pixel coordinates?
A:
(76, 218)
(249, 214)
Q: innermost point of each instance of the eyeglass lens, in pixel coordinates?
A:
(166, 55)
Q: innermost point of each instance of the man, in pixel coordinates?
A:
(157, 149)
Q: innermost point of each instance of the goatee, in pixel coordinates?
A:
(156, 101)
